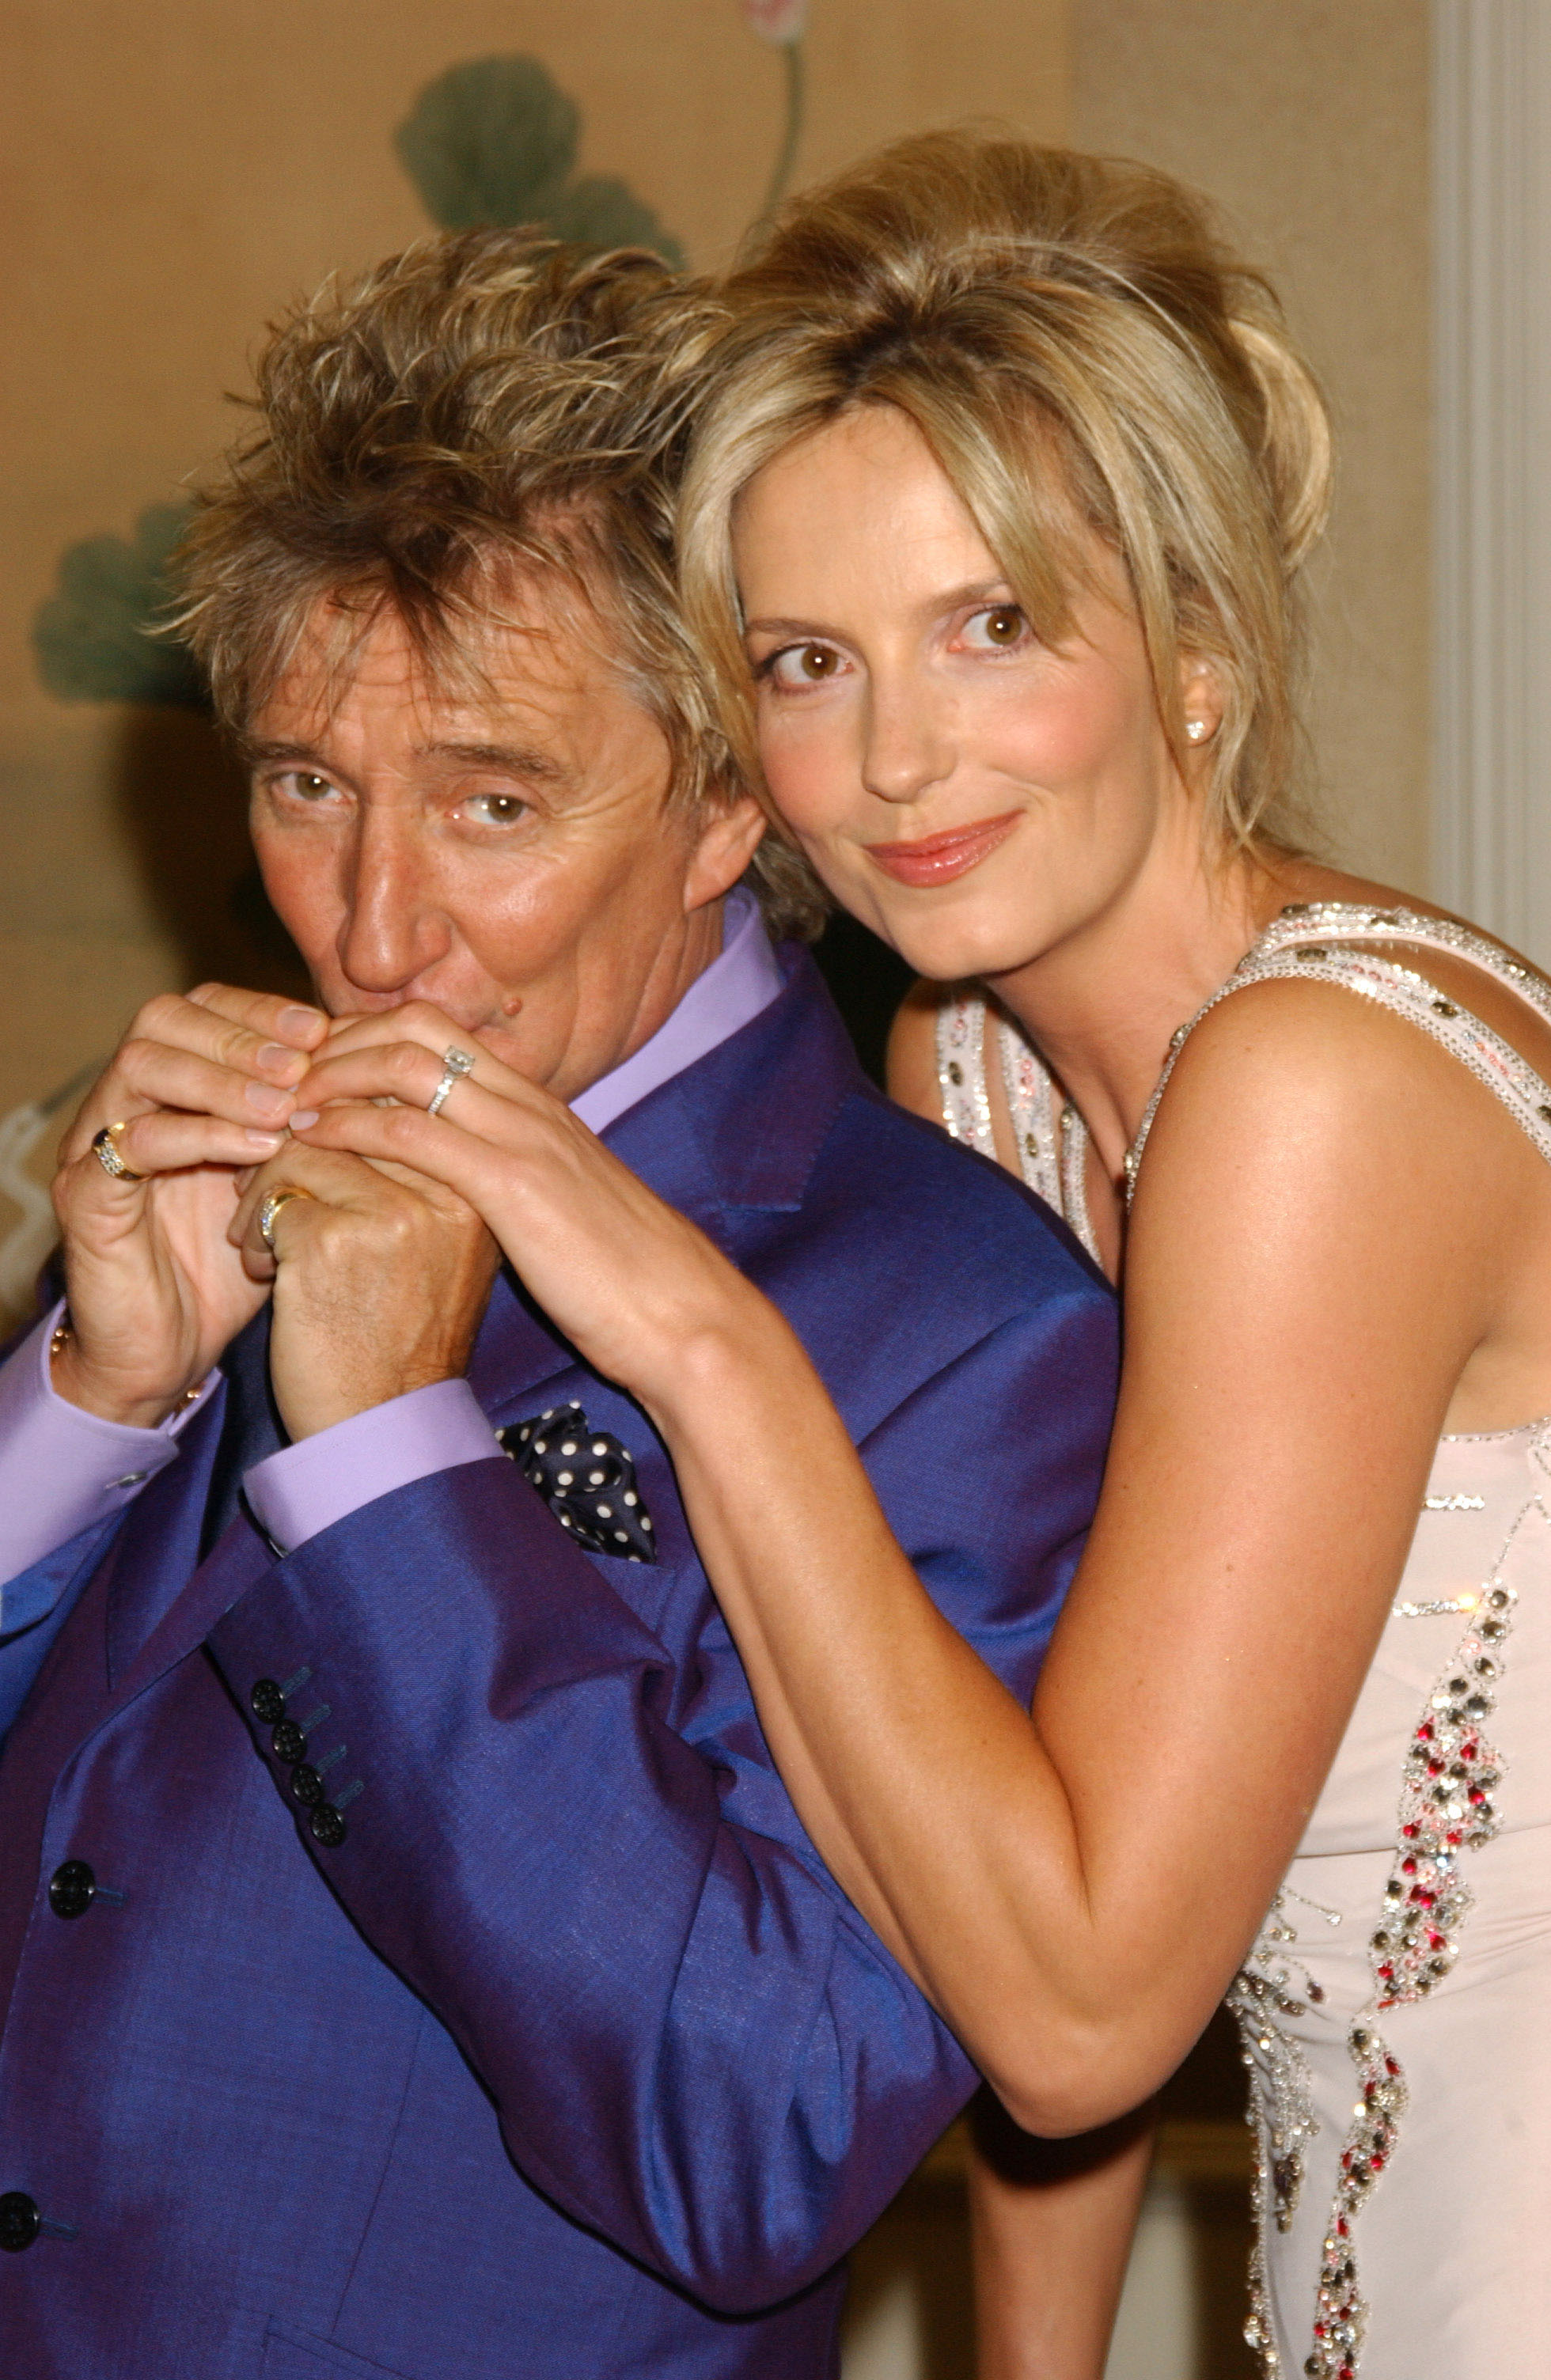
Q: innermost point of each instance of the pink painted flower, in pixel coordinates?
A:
(780, 21)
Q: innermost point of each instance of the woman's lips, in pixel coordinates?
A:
(938, 858)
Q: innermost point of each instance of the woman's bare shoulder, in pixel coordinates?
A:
(912, 1060)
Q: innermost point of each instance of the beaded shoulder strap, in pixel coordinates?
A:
(1051, 1143)
(1309, 942)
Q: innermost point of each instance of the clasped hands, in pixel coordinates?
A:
(381, 1271)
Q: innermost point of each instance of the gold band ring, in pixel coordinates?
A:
(455, 1064)
(270, 1206)
(106, 1150)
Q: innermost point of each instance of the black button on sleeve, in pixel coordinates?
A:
(289, 1741)
(71, 1889)
(19, 2221)
(307, 1785)
(328, 1827)
(266, 1702)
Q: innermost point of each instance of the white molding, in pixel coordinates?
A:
(1492, 185)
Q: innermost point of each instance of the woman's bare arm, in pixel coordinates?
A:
(1337, 1230)
(1328, 1225)
(1052, 2222)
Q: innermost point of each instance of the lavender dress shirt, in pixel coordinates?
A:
(63, 1470)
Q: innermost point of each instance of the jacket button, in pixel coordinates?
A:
(19, 2221)
(71, 1889)
(327, 1827)
(307, 1785)
(266, 1702)
(288, 1740)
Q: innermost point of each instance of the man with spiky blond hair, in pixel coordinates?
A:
(413, 1964)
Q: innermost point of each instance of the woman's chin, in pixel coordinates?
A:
(955, 949)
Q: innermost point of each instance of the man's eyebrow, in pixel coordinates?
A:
(513, 759)
(257, 748)
(984, 590)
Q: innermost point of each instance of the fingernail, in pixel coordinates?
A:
(276, 1058)
(300, 1020)
(304, 1119)
(268, 1102)
(267, 1141)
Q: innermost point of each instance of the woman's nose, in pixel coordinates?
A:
(909, 745)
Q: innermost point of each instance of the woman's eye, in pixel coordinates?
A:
(802, 665)
(1001, 626)
(495, 809)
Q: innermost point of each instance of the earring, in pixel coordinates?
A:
(1197, 730)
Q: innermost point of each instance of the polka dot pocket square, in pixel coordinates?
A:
(587, 1479)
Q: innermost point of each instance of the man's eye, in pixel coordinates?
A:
(310, 786)
(811, 664)
(1004, 625)
(495, 809)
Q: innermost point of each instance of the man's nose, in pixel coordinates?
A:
(393, 928)
(909, 743)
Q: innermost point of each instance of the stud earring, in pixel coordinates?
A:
(1196, 730)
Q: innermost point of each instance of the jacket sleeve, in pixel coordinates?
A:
(569, 1838)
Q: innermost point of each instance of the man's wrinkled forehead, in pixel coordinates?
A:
(514, 644)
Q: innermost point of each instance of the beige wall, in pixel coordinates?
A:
(176, 173)
(1308, 119)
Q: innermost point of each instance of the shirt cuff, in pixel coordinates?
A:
(63, 1469)
(306, 1488)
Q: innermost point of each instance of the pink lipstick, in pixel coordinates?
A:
(938, 858)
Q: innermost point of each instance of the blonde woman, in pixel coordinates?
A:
(1001, 490)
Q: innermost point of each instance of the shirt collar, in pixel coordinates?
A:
(743, 979)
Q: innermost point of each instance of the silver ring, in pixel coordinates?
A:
(455, 1064)
(105, 1148)
(270, 1206)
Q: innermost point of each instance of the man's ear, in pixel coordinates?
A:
(731, 832)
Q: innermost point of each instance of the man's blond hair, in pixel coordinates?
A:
(486, 407)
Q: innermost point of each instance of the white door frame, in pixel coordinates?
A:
(1491, 186)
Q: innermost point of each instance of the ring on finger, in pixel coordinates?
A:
(455, 1064)
(104, 1148)
(270, 1206)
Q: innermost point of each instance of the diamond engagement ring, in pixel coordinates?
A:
(270, 1207)
(106, 1150)
(455, 1064)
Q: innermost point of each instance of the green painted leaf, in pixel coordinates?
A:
(599, 211)
(492, 141)
(91, 636)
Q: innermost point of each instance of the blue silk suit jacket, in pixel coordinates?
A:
(570, 2060)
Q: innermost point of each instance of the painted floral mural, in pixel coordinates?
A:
(493, 140)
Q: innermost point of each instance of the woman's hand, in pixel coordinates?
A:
(624, 1275)
(202, 1086)
(381, 1277)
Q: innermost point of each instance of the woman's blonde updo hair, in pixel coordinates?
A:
(1077, 346)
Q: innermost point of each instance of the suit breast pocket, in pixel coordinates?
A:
(292, 2355)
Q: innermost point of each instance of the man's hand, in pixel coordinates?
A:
(202, 1086)
(381, 1281)
(623, 1274)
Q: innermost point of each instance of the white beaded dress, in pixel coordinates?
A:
(1395, 2010)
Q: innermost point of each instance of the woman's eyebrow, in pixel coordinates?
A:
(950, 599)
